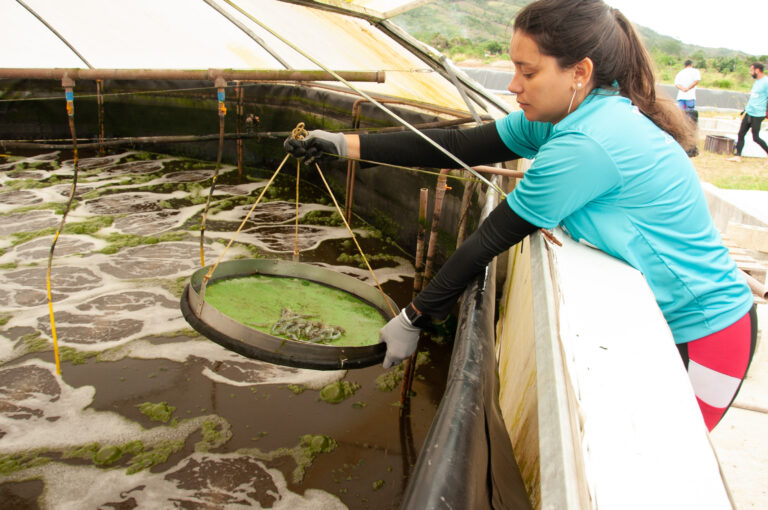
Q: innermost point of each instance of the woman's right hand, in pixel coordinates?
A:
(401, 338)
(318, 145)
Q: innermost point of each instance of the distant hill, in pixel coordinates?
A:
(485, 21)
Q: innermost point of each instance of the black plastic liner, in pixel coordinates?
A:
(467, 460)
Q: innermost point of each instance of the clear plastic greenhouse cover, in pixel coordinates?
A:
(221, 34)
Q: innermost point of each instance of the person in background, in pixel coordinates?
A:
(609, 166)
(755, 111)
(686, 81)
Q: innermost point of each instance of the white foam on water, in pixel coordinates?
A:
(239, 189)
(280, 208)
(383, 274)
(95, 296)
(63, 419)
(275, 374)
(77, 487)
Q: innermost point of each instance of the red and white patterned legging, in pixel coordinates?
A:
(717, 364)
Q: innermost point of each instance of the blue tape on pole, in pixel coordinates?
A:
(221, 96)
(69, 95)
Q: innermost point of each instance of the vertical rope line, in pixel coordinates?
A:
(222, 115)
(354, 238)
(296, 234)
(213, 268)
(70, 98)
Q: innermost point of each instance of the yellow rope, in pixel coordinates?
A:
(71, 116)
(338, 210)
(221, 256)
(299, 132)
(222, 113)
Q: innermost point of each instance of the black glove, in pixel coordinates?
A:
(318, 145)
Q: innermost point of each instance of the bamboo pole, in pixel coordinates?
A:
(466, 202)
(409, 370)
(432, 246)
(189, 74)
(417, 286)
(421, 236)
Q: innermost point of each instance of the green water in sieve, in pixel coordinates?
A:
(257, 301)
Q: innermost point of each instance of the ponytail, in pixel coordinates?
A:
(639, 85)
(571, 30)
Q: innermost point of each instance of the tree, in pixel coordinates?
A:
(494, 48)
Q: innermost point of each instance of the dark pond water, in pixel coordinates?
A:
(149, 414)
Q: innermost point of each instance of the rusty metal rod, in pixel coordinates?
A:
(189, 74)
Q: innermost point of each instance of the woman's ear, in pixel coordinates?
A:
(583, 71)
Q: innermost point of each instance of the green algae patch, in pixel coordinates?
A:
(119, 241)
(304, 454)
(327, 218)
(153, 457)
(390, 379)
(15, 462)
(297, 389)
(215, 433)
(259, 301)
(161, 411)
(74, 356)
(86, 451)
(107, 455)
(338, 391)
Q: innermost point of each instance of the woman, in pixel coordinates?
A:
(609, 167)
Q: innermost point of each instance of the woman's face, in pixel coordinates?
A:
(544, 90)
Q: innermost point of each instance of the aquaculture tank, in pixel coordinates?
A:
(145, 189)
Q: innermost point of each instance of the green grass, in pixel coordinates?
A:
(750, 174)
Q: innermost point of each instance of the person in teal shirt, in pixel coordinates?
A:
(609, 166)
(755, 111)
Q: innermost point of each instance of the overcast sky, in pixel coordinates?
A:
(735, 24)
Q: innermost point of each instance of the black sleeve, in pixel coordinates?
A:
(475, 146)
(500, 230)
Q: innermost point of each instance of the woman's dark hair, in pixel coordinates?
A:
(571, 30)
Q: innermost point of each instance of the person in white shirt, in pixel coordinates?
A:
(686, 81)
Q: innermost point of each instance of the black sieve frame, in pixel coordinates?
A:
(255, 344)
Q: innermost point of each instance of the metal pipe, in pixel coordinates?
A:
(14, 144)
(190, 74)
